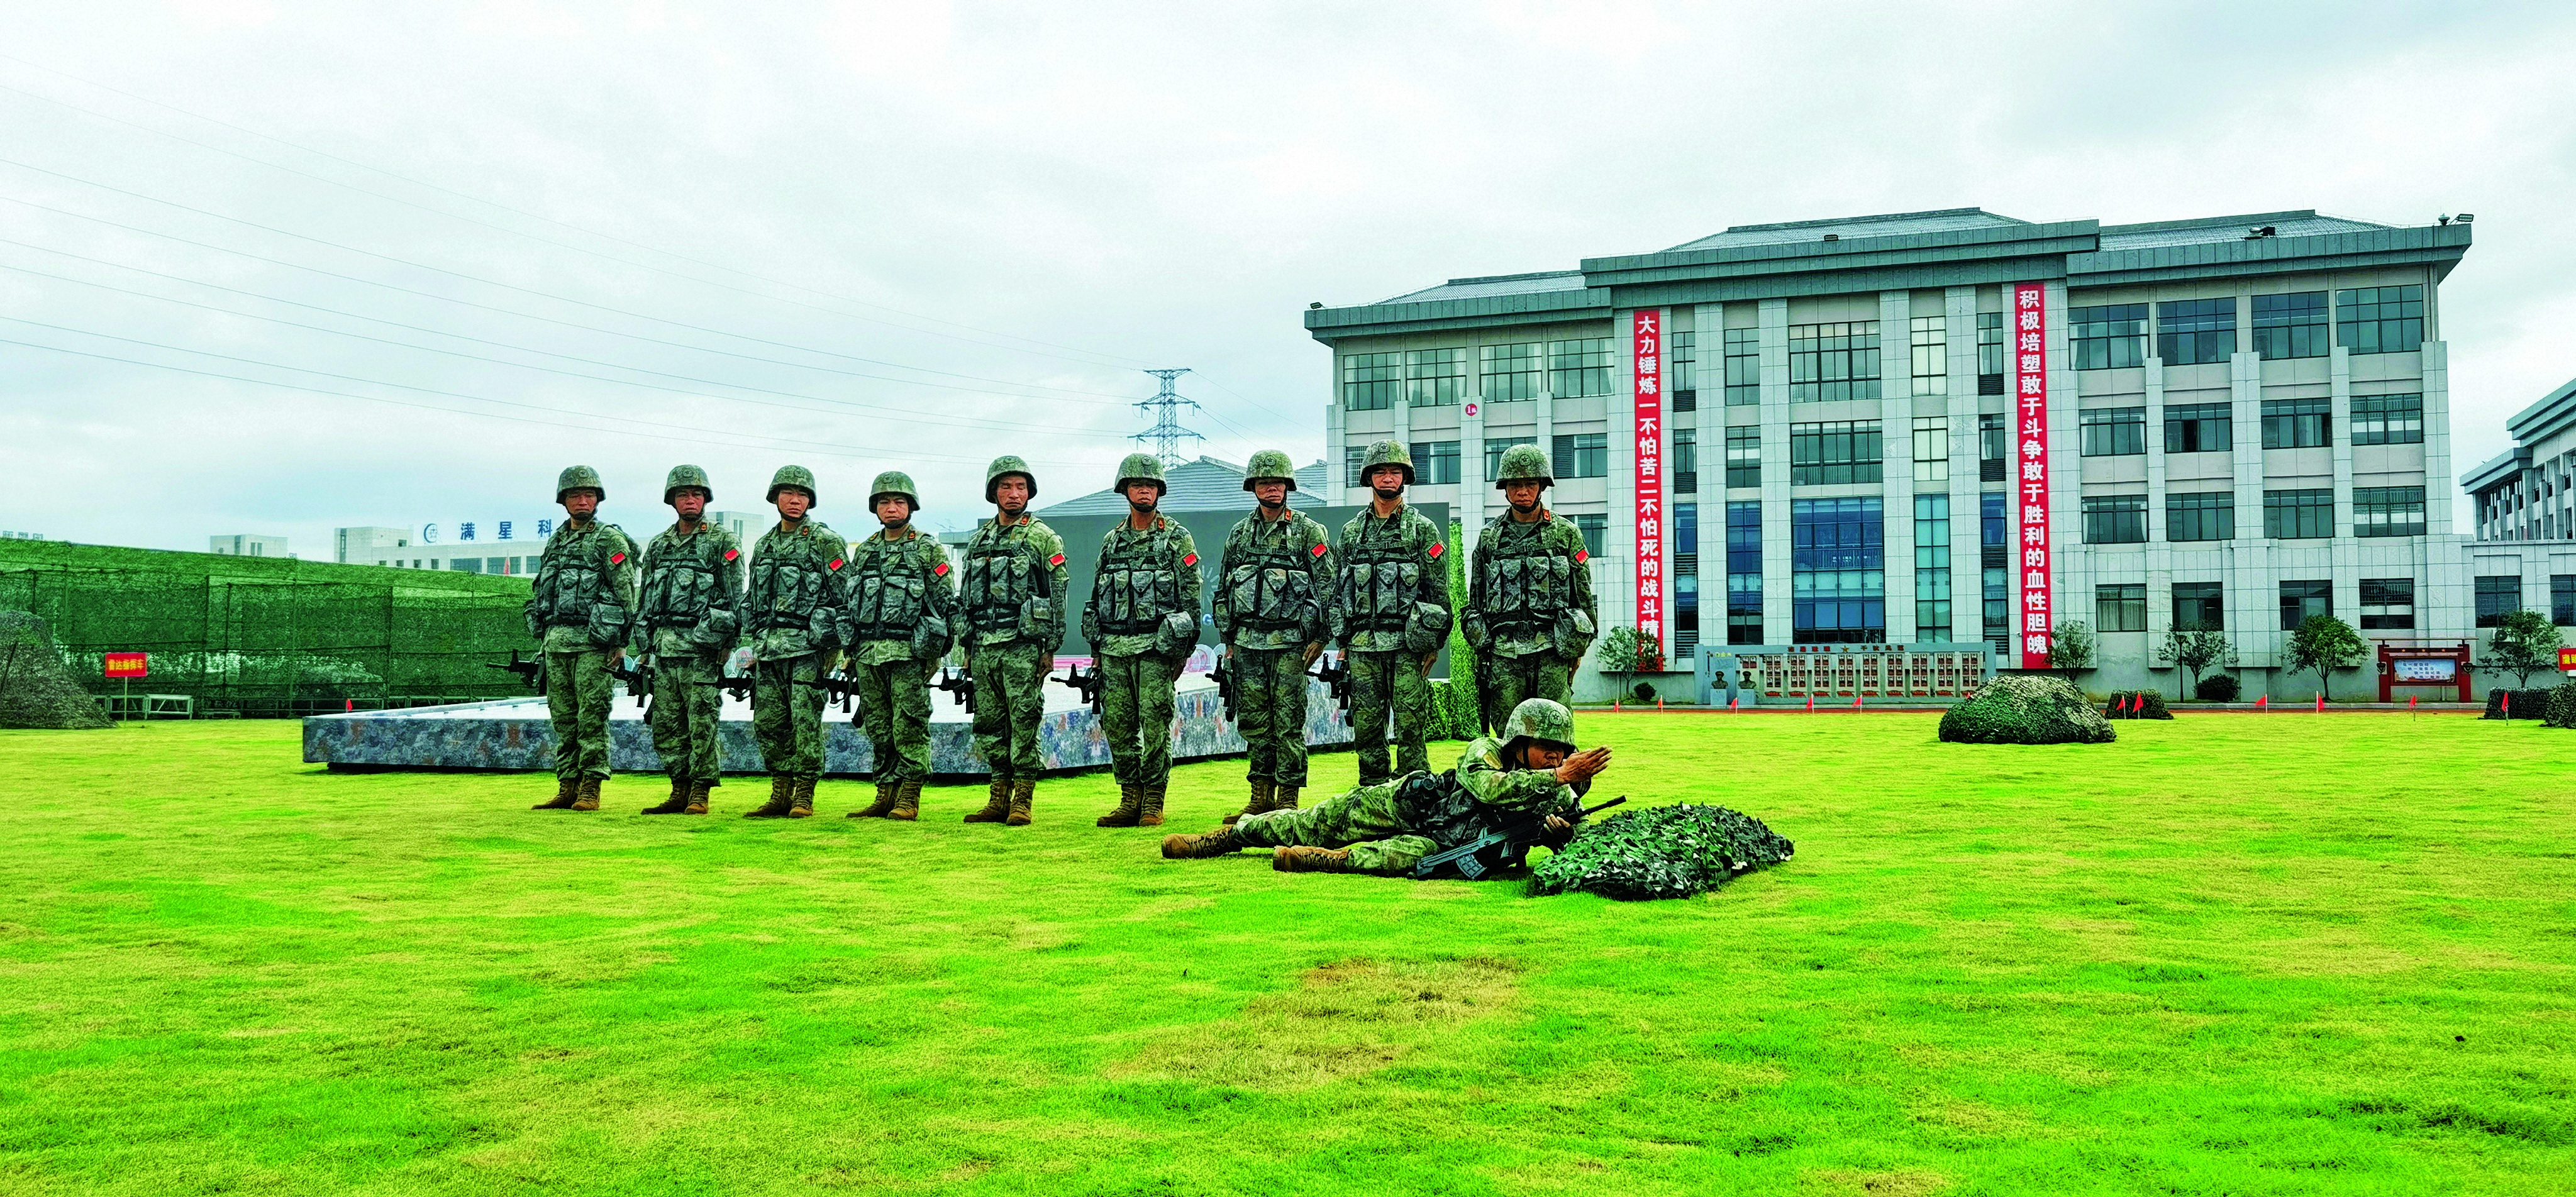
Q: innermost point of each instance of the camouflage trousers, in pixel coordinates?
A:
(787, 715)
(683, 715)
(1510, 681)
(578, 691)
(1009, 705)
(1136, 711)
(894, 708)
(1384, 684)
(1363, 820)
(1270, 712)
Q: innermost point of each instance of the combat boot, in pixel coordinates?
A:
(698, 791)
(1283, 798)
(997, 802)
(781, 788)
(1220, 842)
(800, 799)
(567, 791)
(588, 796)
(907, 802)
(676, 803)
(1024, 792)
(1312, 860)
(1150, 814)
(1131, 799)
(883, 806)
(1262, 803)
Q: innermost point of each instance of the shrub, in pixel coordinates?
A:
(2523, 643)
(1627, 650)
(2025, 709)
(2527, 704)
(1454, 715)
(2561, 711)
(1662, 852)
(2136, 704)
(2220, 687)
(1642, 692)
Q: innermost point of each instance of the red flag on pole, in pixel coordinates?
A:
(1811, 704)
(1731, 707)
(2263, 702)
(2508, 704)
(2321, 702)
(1659, 702)
(1856, 702)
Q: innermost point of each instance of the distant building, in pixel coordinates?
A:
(1207, 484)
(362, 539)
(248, 545)
(510, 547)
(5, 534)
(2524, 554)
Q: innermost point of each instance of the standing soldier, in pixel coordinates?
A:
(1271, 582)
(900, 601)
(688, 624)
(1530, 614)
(1390, 610)
(1142, 621)
(794, 611)
(583, 598)
(1012, 610)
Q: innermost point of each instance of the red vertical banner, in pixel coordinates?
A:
(1646, 337)
(2030, 391)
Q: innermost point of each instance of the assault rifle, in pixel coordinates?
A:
(960, 687)
(1089, 685)
(737, 685)
(638, 678)
(1335, 673)
(532, 671)
(1509, 840)
(1225, 680)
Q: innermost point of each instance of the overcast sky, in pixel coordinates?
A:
(861, 236)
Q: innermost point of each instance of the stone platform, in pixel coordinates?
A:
(514, 734)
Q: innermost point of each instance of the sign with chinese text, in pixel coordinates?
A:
(2567, 660)
(2028, 321)
(127, 665)
(1646, 336)
(2426, 669)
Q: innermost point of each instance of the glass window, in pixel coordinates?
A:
(2298, 514)
(1509, 373)
(2380, 319)
(2191, 332)
(1744, 573)
(1685, 465)
(1434, 377)
(2387, 603)
(1932, 603)
(1990, 345)
(2388, 511)
(1992, 450)
(2113, 431)
(2388, 419)
(1931, 449)
(1681, 371)
(1369, 380)
(2298, 423)
(2199, 607)
(2199, 428)
(1578, 368)
(2210, 515)
(1594, 528)
(2290, 325)
(1435, 463)
(2562, 600)
(2299, 600)
(1995, 580)
(1838, 578)
(1931, 355)
(1833, 361)
(1685, 578)
(1834, 452)
(1494, 446)
(1582, 455)
(1351, 459)
(2115, 519)
(1744, 455)
(2109, 336)
(1743, 367)
(2499, 595)
(2121, 607)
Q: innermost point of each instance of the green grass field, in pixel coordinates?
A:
(2228, 954)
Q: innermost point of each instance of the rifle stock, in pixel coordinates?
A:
(1514, 841)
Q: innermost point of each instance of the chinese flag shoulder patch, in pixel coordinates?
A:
(730, 554)
(1058, 559)
(940, 570)
(1438, 548)
(617, 558)
(1192, 559)
(1317, 551)
(1581, 556)
(836, 564)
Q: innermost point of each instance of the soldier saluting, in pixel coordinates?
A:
(583, 597)
(1530, 614)
(1390, 610)
(900, 605)
(1012, 609)
(1271, 582)
(1142, 620)
(794, 612)
(688, 623)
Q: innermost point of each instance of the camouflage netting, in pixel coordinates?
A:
(35, 689)
(1661, 852)
(2026, 708)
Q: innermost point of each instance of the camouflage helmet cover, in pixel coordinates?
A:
(1004, 466)
(795, 477)
(1388, 453)
(1540, 719)
(1523, 463)
(1142, 467)
(1270, 463)
(894, 482)
(576, 477)
(683, 476)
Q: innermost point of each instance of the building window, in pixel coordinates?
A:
(2499, 595)
(1834, 452)
(2121, 607)
(2388, 419)
(1582, 455)
(2388, 511)
(1494, 446)
(1435, 463)
(1686, 460)
(2191, 332)
(1744, 573)
(1931, 448)
(2380, 319)
(1508, 373)
(2298, 514)
(1930, 335)
(2210, 515)
(1743, 367)
(2113, 431)
(1681, 371)
(1992, 456)
(1685, 579)
(1744, 455)
(2299, 600)
(1369, 380)
(1932, 608)
(1833, 361)
(1434, 377)
(1990, 353)
(2199, 428)
(1995, 578)
(2290, 325)
(1578, 368)
(1351, 459)
(2562, 600)
(2387, 604)
(2110, 336)
(1837, 571)
(2115, 519)
(1594, 528)
(2298, 423)
(2199, 607)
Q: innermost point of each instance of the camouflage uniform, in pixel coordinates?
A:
(1530, 612)
(1011, 611)
(579, 610)
(689, 621)
(901, 602)
(1142, 621)
(1269, 605)
(1389, 609)
(794, 612)
(1383, 825)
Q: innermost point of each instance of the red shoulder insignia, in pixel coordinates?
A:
(940, 570)
(1058, 559)
(836, 564)
(1317, 551)
(1438, 547)
(1581, 556)
(617, 558)
(1192, 559)
(730, 554)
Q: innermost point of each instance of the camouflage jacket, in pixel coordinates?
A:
(1448, 807)
(796, 604)
(1015, 584)
(1271, 582)
(691, 593)
(1529, 590)
(1145, 592)
(902, 598)
(584, 596)
(1392, 593)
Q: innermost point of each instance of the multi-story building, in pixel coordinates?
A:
(2245, 422)
(2524, 555)
(498, 546)
(248, 545)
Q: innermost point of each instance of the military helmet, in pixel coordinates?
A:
(1270, 463)
(686, 476)
(797, 477)
(1387, 453)
(1141, 467)
(1540, 719)
(1003, 466)
(1523, 463)
(894, 482)
(576, 477)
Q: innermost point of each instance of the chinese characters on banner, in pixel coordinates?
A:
(2030, 388)
(1646, 332)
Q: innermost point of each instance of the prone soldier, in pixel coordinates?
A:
(1142, 621)
(1390, 610)
(689, 620)
(1269, 607)
(794, 611)
(1012, 620)
(578, 612)
(1530, 614)
(900, 605)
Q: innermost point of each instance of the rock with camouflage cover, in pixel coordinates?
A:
(2025, 709)
(36, 691)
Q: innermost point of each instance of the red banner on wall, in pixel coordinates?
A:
(127, 665)
(1646, 332)
(2030, 389)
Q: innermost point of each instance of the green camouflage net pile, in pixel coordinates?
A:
(1660, 852)
(35, 689)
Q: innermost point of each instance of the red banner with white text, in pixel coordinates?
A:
(1646, 336)
(2030, 391)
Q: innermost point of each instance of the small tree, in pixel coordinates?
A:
(2524, 643)
(2196, 650)
(2324, 643)
(2071, 648)
(1627, 650)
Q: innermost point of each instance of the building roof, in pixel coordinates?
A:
(1892, 224)
(2553, 415)
(1495, 284)
(1206, 484)
(2303, 222)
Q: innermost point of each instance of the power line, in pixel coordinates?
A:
(1167, 434)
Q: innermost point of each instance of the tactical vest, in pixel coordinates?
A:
(1137, 586)
(1272, 587)
(683, 583)
(1003, 575)
(1381, 579)
(787, 588)
(889, 588)
(1527, 582)
(573, 581)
